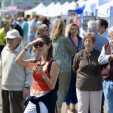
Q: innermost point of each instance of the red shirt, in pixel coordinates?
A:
(39, 83)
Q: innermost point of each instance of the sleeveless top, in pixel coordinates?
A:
(39, 83)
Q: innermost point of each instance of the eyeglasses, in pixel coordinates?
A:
(110, 35)
(40, 44)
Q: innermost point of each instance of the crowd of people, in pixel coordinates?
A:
(43, 68)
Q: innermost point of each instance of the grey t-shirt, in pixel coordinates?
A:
(32, 24)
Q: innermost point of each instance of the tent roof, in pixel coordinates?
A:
(45, 9)
(104, 10)
(40, 6)
(62, 9)
(49, 12)
(58, 11)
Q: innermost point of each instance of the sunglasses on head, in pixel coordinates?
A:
(40, 44)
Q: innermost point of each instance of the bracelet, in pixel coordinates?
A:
(25, 49)
(43, 77)
(27, 88)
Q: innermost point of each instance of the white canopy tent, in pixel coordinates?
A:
(105, 10)
(81, 3)
(51, 11)
(40, 6)
(45, 10)
(90, 6)
(58, 10)
(71, 6)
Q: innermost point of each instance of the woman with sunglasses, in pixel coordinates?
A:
(41, 96)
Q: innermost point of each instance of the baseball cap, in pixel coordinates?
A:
(13, 34)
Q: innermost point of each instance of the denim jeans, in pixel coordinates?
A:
(30, 39)
(108, 93)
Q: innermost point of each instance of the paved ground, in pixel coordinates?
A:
(63, 108)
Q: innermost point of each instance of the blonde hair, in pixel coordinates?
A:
(41, 28)
(58, 30)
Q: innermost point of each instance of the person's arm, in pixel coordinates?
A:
(27, 83)
(68, 27)
(22, 26)
(28, 78)
(51, 82)
(25, 93)
(103, 58)
(2, 40)
(76, 63)
(20, 58)
(34, 29)
(69, 46)
(0, 66)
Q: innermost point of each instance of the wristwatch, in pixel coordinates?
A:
(27, 88)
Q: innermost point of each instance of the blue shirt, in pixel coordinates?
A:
(105, 34)
(25, 27)
(100, 41)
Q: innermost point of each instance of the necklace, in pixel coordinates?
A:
(43, 63)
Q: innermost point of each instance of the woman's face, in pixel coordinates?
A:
(88, 43)
(42, 47)
(46, 32)
(73, 31)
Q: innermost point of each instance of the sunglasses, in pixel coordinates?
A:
(40, 44)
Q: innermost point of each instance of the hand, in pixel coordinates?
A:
(34, 69)
(25, 93)
(37, 69)
(111, 57)
(31, 44)
(68, 27)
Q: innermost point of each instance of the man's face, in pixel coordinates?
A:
(12, 43)
(111, 36)
(7, 27)
(36, 19)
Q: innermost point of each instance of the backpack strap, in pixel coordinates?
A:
(49, 66)
(54, 91)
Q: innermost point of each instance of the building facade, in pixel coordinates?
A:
(27, 3)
